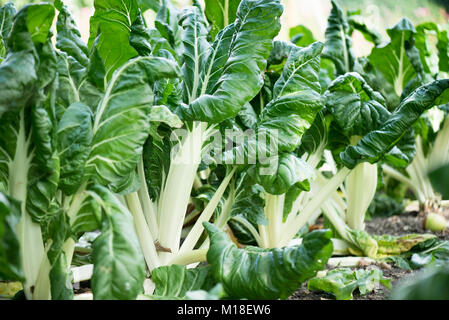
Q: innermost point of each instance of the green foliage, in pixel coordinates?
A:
(342, 282)
(256, 273)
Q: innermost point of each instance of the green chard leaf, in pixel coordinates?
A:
(398, 61)
(296, 98)
(7, 13)
(111, 24)
(119, 266)
(356, 22)
(60, 277)
(338, 42)
(256, 273)
(175, 281)
(280, 173)
(357, 109)
(229, 73)
(68, 37)
(18, 72)
(122, 121)
(220, 13)
(342, 282)
(430, 284)
(301, 36)
(422, 44)
(168, 24)
(10, 261)
(439, 178)
(373, 146)
(74, 141)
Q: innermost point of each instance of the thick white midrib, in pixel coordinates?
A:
(176, 194)
(197, 230)
(105, 100)
(30, 238)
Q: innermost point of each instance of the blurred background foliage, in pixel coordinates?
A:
(378, 14)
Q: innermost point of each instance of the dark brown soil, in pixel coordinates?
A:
(406, 223)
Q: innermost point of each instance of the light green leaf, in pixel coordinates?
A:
(220, 13)
(342, 282)
(301, 36)
(110, 25)
(394, 60)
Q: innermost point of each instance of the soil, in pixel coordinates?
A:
(410, 222)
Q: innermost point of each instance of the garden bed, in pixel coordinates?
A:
(409, 222)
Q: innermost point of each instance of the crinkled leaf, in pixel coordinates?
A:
(74, 141)
(357, 109)
(175, 281)
(7, 13)
(256, 273)
(68, 37)
(10, 260)
(119, 266)
(111, 25)
(281, 172)
(220, 13)
(396, 245)
(60, 277)
(342, 282)
(121, 124)
(373, 146)
(156, 159)
(338, 42)
(231, 75)
(296, 98)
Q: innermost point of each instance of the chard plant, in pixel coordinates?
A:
(75, 133)
(417, 59)
(211, 91)
(353, 120)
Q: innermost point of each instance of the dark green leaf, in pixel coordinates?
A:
(377, 143)
(256, 273)
(175, 281)
(10, 259)
(119, 266)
